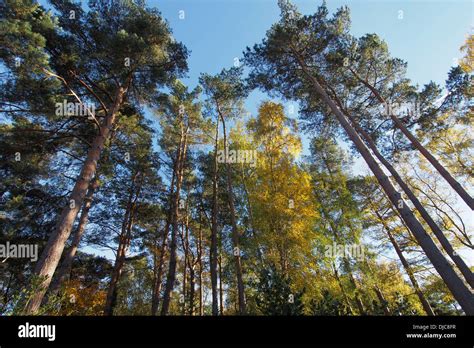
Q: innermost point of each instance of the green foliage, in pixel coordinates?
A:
(328, 305)
(275, 296)
(20, 299)
(134, 298)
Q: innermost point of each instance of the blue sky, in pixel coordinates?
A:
(428, 36)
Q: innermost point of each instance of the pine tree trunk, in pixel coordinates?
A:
(190, 262)
(53, 250)
(221, 288)
(66, 265)
(235, 231)
(201, 308)
(116, 273)
(337, 239)
(358, 300)
(156, 243)
(251, 220)
(191, 292)
(462, 266)
(155, 302)
(434, 162)
(186, 257)
(459, 290)
(344, 294)
(170, 280)
(192, 287)
(424, 302)
(382, 301)
(213, 247)
(124, 244)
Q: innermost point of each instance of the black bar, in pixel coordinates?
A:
(194, 331)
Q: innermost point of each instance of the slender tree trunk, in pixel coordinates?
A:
(124, 244)
(186, 256)
(192, 261)
(53, 250)
(221, 288)
(116, 273)
(156, 243)
(358, 300)
(424, 302)
(66, 265)
(201, 308)
(337, 239)
(159, 273)
(462, 266)
(382, 300)
(434, 162)
(214, 227)
(235, 231)
(157, 284)
(191, 291)
(6, 291)
(251, 220)
(459, 290)
(343, 290)
(379, 292)
(173, 244)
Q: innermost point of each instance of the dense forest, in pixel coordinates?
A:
(146, 196)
